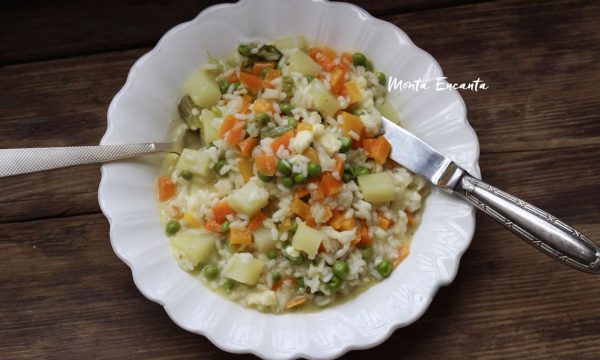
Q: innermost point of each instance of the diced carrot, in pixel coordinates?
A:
(403, 252)
(221, 210)
(256, 221)
(282, 140)
(213, 226)
(245, 168)
(227, 124)
(336, 220)
(339, 165)
(384, 222)
(262, 105)
(311, 153)
(273, 74)
(166, 188)
(265, 164)
(410, 217)
(324, 61)
(304, 126)
(301, 193)
(330, 53)
(246, 101)
(296, 301)
(347, 57)
(236, 134)
(240, 236)
(310, 221)
(313, 51)
(300, 208)
(363, 235)
(252, 82)
(342, 66)
(247, 145)
(352, 91)
(259, 66)
(276, 285)
(286, 225)
(348, 224)
(233, 78)
(352, 123)
(337, 81)
(317, 195)
(191, 220)
(330, 185)
(378, 149)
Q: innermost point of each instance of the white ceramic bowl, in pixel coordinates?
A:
(140, 112)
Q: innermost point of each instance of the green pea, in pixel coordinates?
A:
(335, 283)
(294, 226)
(310, 78)
(223, 86)
(244, 49)
(225, 227)
(292, 122)
(340, 269)
(272, 254)
(358, 59)
(381, 78)
(295, 260)
(186, 175)
(347, 177)
(314, 169)
(286, 108)
(284, 167)
(359, 170)
(210, 272)
(300, 179)
(172, 227)
(367, 252)
(346, 144)
(276, 276)
(288, 182)
(219, 165)
(265, 178)
(369, 65)
(228, 284)
(384, 268)
(262, 118)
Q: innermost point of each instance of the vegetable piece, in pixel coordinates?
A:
(287, 84)
(282, 140)
(384, 268)
(203, 89)
(329, 185)
(410, 218)
(221, 210)
(263, 241)
(236, 134)
(387, 110)
(381, 78)
(262, 118)
(264, 178)
(249, 199)
(191, 220)
(359, 59)
(329, 52)
(244, 268)
(335, 283)
(286, 108)
(196, 161)
(311, 153)
(240, 236)
(337, 81)
(258, 67)
(271, 75)
(210, 272)
(247, 145)
(172, 227)
(377, 187)
(300, 208)
(352, 91)
(186, 175)
(367, 252)
(265, 164)
(284, 167)
(384, 222)
(304, 127)
(352, 123)
(246, 101)
(226, 125)
(323, 61)
(340, 269)
(308, 240)
(263, 298)
(262, 106)
(219, 165)
(364, 239)
(313, 169)
(359, 170)
(300, 179)
(244, 49)
(228, 284)
(402, 254)
(189, 112)
(166, 188)
(192, 249)
(245, 168)
(271, 254)
(256, 221)
(296, 301)
(224, 227)
(223, 86)
(207, 126)
(266, 53)
(324, 101)
(300, 62)
(233, 78)
(288, 182)
(251, 82)
(276, 131)
(212, 226)
(378, 149)
(339, 165)
(290, 42)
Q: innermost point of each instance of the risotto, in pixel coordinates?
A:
(287, 201)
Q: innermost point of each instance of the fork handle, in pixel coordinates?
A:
(540, 229)
(29, 160)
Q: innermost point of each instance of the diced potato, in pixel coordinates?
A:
(324, 101)
(377, 187)
(209, 130)
(249, 199)
(264, 298)
(196, 161)
(168, 164)
(263, 241)
(307, 239)
(192, 248)
(290, 42)
(302, 63)
(202, 88)
(387, 110)
(244, 268)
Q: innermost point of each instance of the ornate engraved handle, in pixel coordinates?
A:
(28, 160)
(540, 229)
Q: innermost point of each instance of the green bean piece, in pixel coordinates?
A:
(346, 144)
(276, 276)
(225, 227)
(287, 84)
(359, 112)
(300, 179)
(367, 252)
(358, 59)
(381, 78)
(265, 178)
(284, 167)
(384, 268)
(210, 271)
(310, 78)
(268, 53)
(189, 111)
(172, 227)
(347, 177)
(219, 165)
(186, 175)
(340, 269)
(288, 182)
(223, 86)
(294, 226)
(314, 169)
(286, 108)
(275, 132)
(244, 49)
(272, 254)
(335, 283)
(262, 118)
(237, 85)
(359, 170)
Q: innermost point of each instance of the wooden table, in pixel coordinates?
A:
(64, 294)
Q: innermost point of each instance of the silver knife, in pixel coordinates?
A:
(540, 229)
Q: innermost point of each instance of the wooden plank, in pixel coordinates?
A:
(41, 30)
(65, 293)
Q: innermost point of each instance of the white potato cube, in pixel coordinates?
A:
(324, 101)
(192, 248)
(209, 130)
(263, 241)
(302, 63)
(203, 89)
(377, 187)
(249, 199)
(307, 239)
(196, 161)
(290, 42)
(244, 268)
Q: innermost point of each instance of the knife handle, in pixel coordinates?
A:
(540, 229)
